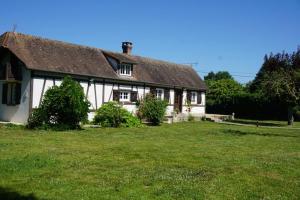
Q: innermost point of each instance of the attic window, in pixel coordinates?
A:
(125, 69)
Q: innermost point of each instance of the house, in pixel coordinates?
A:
(29, 65)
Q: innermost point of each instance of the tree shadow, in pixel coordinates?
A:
(243, 133)
(260, 123)
(9, 194)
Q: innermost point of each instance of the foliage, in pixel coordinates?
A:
(62, 107)
(223, 92)
(188, 106)
(279, 80)
(152, 109)
(130, 120)
(218, 76)
(191, 118)
(274, 91)
(112, 114)
(297, 112)
(36, 119)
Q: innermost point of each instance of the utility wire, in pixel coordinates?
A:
(245, 75)
(238, 75)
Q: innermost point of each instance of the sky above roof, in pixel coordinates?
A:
(230, 35)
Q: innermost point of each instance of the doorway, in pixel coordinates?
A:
(178, 101)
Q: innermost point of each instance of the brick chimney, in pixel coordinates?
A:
(127, 47)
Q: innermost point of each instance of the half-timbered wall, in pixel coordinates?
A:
(97, 92)
(102, 92)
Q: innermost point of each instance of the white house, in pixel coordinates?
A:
(30, 65)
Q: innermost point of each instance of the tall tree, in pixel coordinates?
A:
(279, 79)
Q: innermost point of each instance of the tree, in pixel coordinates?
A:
(280, 85)
(218, 76)
(221, 94)
(63, 106)
(279, 79)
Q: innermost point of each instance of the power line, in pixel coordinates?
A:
(195, 64)
(238, 75)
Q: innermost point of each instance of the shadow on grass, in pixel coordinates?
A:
(8, 194)
(242, 133)
(260, 123)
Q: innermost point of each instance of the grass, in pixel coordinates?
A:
(193, 160)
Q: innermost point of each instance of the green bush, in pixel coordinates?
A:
(191, 118)
(112, 114)
(130, 120)
(62, 107)
(36, 119)
(152, 109)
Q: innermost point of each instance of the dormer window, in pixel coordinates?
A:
(125, 69)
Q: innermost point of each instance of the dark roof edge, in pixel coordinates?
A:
(129, 81)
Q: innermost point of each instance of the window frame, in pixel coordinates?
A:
(125, 69)
(161, 91)
(193, 97)
(13, 94)
(121, 96)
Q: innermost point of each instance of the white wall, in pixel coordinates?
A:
(196, 109)
(99, 94)
(108, 92)
(37, 88)
(18, 113)
(172, 93)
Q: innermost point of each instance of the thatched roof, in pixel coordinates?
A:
(55, 56)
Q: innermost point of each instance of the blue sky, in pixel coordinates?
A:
(230, 35)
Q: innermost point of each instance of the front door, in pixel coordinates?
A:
(178, 101)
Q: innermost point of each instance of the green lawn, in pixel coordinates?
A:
(197, 160)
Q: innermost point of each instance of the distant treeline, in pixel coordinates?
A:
(273, 94)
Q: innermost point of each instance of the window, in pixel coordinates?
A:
(125, 69)
(193, 97)
(124, 96)
(159, 94)
(11, 93)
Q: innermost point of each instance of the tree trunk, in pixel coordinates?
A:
(290, 116)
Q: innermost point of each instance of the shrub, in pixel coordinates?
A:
(191, 118)
(152, 109)
(112, 114)
(130, 120)
(36, 119)
(62, 107)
